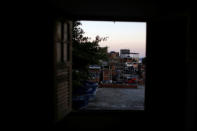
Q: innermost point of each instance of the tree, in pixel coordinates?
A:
(85, 53)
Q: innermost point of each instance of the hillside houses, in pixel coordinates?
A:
(119, 68)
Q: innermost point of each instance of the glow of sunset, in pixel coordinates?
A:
(122, 35)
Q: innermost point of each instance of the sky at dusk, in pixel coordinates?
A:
(122, 35)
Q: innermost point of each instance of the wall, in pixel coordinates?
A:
(167, 36)
(165, 86)
(170, 105)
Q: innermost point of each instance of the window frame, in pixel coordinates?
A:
(146, 95)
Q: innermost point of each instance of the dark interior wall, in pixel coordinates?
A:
(167, 72)
(167, 69)
(191, 70)
(170, 76)
(167, 78)
(174, 43)
(31, 65)
(118, 10)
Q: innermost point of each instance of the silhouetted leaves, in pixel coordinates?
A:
(85, 53)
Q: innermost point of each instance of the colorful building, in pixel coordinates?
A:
(95, 72)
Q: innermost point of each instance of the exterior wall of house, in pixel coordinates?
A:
(113, 55)
(95, 75)
(107, 75)
(135, 65)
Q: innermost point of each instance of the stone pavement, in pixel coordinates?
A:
(118, 99)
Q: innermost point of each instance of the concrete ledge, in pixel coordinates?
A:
(118, 86)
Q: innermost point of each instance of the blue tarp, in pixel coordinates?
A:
(84, 93)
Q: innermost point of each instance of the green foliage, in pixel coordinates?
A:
(85, 53)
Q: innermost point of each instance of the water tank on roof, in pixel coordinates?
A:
(124, 51)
